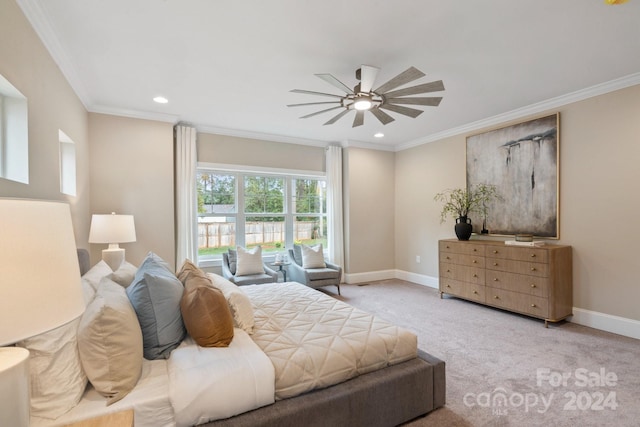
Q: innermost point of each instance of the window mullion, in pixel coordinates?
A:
(240, 216)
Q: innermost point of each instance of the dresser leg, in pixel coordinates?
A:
(440, 295)
(546, 323)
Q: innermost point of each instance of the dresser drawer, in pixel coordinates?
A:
(462, 259)
(515, 301)
(518, 253)
(461, 248)
(469, 291)
(518, 267)
(462, 273)
(532, 285)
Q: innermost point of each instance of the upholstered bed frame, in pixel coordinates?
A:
(386, 397)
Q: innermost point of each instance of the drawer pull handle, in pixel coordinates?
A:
(533, 305)
(533, 255)
(475, 292)
(474, 261)
(495, 279)
(475, 250)
(533, 286)
(475, 275)
(495, 264)
(448, 271)
(448, 258)
(533, 269)
(448, 286)
(447, 246)
(496, 297)
(495, 252)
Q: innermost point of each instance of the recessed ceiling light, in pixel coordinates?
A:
(160, 99)
(379, 135)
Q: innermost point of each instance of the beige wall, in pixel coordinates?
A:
(53, 105)
(369, 179)
(252, 152)
(132, 173)
(599, 152)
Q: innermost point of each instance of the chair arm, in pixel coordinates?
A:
(297, 273)
(226, 273)
(335, 267)
(270, 272)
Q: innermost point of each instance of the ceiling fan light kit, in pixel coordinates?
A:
(364, 98)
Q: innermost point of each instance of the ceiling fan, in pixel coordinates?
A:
(364, 98)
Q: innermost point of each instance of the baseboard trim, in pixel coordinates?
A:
(593, 319)
(369, 276)
(606, 322)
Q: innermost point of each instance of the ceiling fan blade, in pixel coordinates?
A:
(310, 92)
(367, 77)
(411, 112)
(409, 75)
(314, 103)
(320, 112)
(432, 101)
(337, 117)
(359, 118)
(382, 116)
(424, 88)
(335, 82)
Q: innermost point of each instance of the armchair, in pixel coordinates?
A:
(313, 277)
(269, 275)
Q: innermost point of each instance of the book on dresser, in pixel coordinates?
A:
(531, 280)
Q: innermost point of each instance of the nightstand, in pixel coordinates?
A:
(116, 419)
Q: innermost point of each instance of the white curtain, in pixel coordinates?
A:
(186, 198)
(334, 205)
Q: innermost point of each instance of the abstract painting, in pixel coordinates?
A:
(522, 161)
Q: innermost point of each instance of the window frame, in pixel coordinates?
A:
(289, 214)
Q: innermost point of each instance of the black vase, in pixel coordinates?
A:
(463, 228)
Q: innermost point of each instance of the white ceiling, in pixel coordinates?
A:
(227, 66)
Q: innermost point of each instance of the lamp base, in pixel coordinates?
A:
(15, 398)
(114, 257)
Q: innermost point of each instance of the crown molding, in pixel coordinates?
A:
(135, 114)
(537, 108)
(37, 18)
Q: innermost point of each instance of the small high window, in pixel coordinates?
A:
(67, 164)
(14, 134)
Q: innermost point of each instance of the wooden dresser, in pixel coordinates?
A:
(536, 281)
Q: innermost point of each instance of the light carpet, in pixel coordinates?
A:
(504, 369)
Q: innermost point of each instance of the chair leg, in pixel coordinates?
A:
(338, 286)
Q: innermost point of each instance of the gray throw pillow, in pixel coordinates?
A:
(297, 254)
(155, 295)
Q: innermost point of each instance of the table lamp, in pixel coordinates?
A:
(112, 229)
(40, 290)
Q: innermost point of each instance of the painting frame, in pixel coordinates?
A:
(522, 160)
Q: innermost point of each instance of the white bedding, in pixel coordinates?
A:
(315, 341)
(150, 398)
(214, 383)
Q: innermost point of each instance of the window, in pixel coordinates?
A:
(14, 139)
(248, 209)
(67, 164)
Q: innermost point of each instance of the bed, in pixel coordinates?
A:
(398, 385)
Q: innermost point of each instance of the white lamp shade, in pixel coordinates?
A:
(112, 229)
(39, 274)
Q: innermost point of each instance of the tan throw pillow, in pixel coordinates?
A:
(57, 379)
(124, 275)
(249, 261)
(110, 342)
(188, 270)
(238, 302)
(312, 257)
(205, 313)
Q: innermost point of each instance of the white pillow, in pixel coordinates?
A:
(249, 261)
(124, 275)
(238, 301)
(96, 273)
(312, 257)
(57, 378)
(110, 342)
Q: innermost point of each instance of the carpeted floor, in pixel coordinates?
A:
(504, 369)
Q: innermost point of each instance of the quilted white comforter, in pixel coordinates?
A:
(315, 341)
